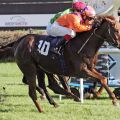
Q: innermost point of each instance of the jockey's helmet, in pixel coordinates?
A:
(79, 6)
(90, 12)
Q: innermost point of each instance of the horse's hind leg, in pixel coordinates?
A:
(54, 86)
(40, 90)
(43, 86)
(29, 71)
(64, 83)
(41, 76)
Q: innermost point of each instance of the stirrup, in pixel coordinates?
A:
(55, 50)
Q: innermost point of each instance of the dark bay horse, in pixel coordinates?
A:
(53, 82)
(33, 51)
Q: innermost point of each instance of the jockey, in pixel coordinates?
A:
(76, 6)
(78, 21)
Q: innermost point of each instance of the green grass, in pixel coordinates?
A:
(16, 104)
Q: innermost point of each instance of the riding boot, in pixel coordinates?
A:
(56, 48)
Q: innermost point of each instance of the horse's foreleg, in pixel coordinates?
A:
(99, 92)
(104, 84)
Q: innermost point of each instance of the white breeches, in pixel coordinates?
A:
(56, 30)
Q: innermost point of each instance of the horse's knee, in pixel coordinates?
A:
(104, 81)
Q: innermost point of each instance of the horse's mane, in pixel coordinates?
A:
(101, 19)
(105, 17)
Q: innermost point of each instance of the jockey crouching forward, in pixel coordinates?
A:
(76, 6)
(67, 25)
(52, 27)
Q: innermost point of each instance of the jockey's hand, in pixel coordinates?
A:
(89, 27)
(96, 24)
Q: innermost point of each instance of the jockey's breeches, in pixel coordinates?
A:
(57, 30)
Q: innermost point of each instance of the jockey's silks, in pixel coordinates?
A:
(73, 21)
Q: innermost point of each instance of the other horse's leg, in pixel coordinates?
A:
(29, 71)
(103, 82)
(42, 85)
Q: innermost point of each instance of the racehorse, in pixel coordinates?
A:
(7, 51)
(33, 51)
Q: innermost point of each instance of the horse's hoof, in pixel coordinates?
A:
(56, 105)
(88, 96)
(116, 103)
(43, 98)
(41, 111)
(77, 99)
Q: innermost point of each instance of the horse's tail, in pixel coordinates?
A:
(6, 52)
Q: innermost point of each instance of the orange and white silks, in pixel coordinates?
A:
(73, 21)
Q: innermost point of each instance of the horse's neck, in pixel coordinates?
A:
(88, 41)
(102, 30)
(99, 35)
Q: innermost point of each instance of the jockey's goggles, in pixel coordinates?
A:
(89, 18)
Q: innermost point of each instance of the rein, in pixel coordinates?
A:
(85, 43)
(93, 33)
(110, 34)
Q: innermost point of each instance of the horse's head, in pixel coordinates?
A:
(112, 30)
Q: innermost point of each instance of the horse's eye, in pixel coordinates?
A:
(116, 31)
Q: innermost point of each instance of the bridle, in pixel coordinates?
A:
(109, 32)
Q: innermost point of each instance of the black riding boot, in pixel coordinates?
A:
(56, 48)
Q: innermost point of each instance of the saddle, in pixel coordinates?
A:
(57, 44)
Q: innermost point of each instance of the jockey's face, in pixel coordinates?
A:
(89, 20)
